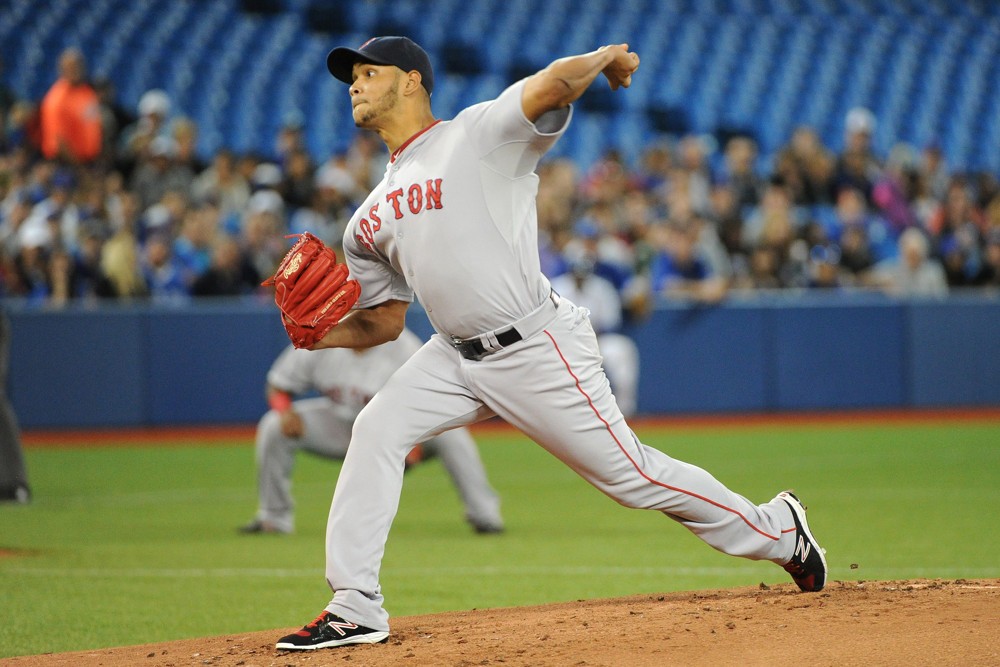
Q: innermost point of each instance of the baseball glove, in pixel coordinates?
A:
(312, 291)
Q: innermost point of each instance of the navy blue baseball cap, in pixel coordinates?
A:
(401, 52)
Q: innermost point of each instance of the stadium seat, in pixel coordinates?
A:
(927, 69)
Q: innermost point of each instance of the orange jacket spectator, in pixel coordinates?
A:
(70, 114)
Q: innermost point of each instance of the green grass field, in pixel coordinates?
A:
(129, 545)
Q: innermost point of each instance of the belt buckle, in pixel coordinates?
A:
(466, 348)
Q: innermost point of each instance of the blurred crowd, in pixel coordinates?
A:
(98, 201)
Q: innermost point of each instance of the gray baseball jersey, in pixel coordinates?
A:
(348, 379)
(482, 273)
(454, 222)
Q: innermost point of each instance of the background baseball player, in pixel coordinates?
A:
(620, 353)
(453, 222)
(13, 475)
(347, 380)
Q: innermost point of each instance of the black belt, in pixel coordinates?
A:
(474, 349)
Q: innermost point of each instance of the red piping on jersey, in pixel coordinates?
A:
(636, 466)
(395, 153)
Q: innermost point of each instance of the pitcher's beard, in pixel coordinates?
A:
(378, 108)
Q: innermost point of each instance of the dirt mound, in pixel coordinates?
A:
(850, 623)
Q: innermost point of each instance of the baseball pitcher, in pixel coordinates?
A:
(453, 222)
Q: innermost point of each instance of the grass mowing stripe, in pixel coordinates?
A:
(116, 531)
(486, 571)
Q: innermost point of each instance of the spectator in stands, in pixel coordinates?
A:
(365, 159)
(7, 100)
(824, 267)
(655, 165)
(991, 215)
(120, 263)
(692, 172)
(857, 166)
(762, 270)
(137, 138)
(297, 182)
(776, 222)
(853, 211)
(329, 209)
(611, 257)
(739, 171)
(163, 273)
(89, 281)
(114, 119)
(192, 248)
(727, 217)
(957, 228)
(30, 277)
(184, 132)
(607, 180)
(165, 216)
(264, 231)
(856, 259)
(935, 171)
(230, 274)
(636, 217)
(62, 278)
(621, 355)
(959, 269)
(896, 188)
(679, 271)
(57, 213)
(991, 260)
(159, 173)
(556, 203)
(291, 137)
(336, 172)
(7, 96)
(92, 209)
(15, 211)
(914, 272)
(246, 165)
(70, 114)
(807, 168)
(21, 133)
(223, 185)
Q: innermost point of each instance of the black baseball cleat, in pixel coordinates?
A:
(258, 527)
(483, 528)
(330, 631)
(808, 563)
(19, 493)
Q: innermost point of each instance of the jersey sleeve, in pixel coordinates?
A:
(379, 281)
(505, 139)
(292, 371)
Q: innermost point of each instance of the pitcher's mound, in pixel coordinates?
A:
(928, 622)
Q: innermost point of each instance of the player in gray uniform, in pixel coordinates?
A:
(322, 425)
(454, 223)
(13, 475)
(620, 354)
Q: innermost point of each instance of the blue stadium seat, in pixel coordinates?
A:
(927, 68)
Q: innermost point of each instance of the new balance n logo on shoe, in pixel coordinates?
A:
(328, 631)
(802, 549)
(807, 564)
(341, 627)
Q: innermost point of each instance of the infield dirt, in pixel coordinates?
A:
(887, 623)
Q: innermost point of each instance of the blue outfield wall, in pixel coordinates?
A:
(206, 363)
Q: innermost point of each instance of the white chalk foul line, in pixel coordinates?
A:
(489, 571)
